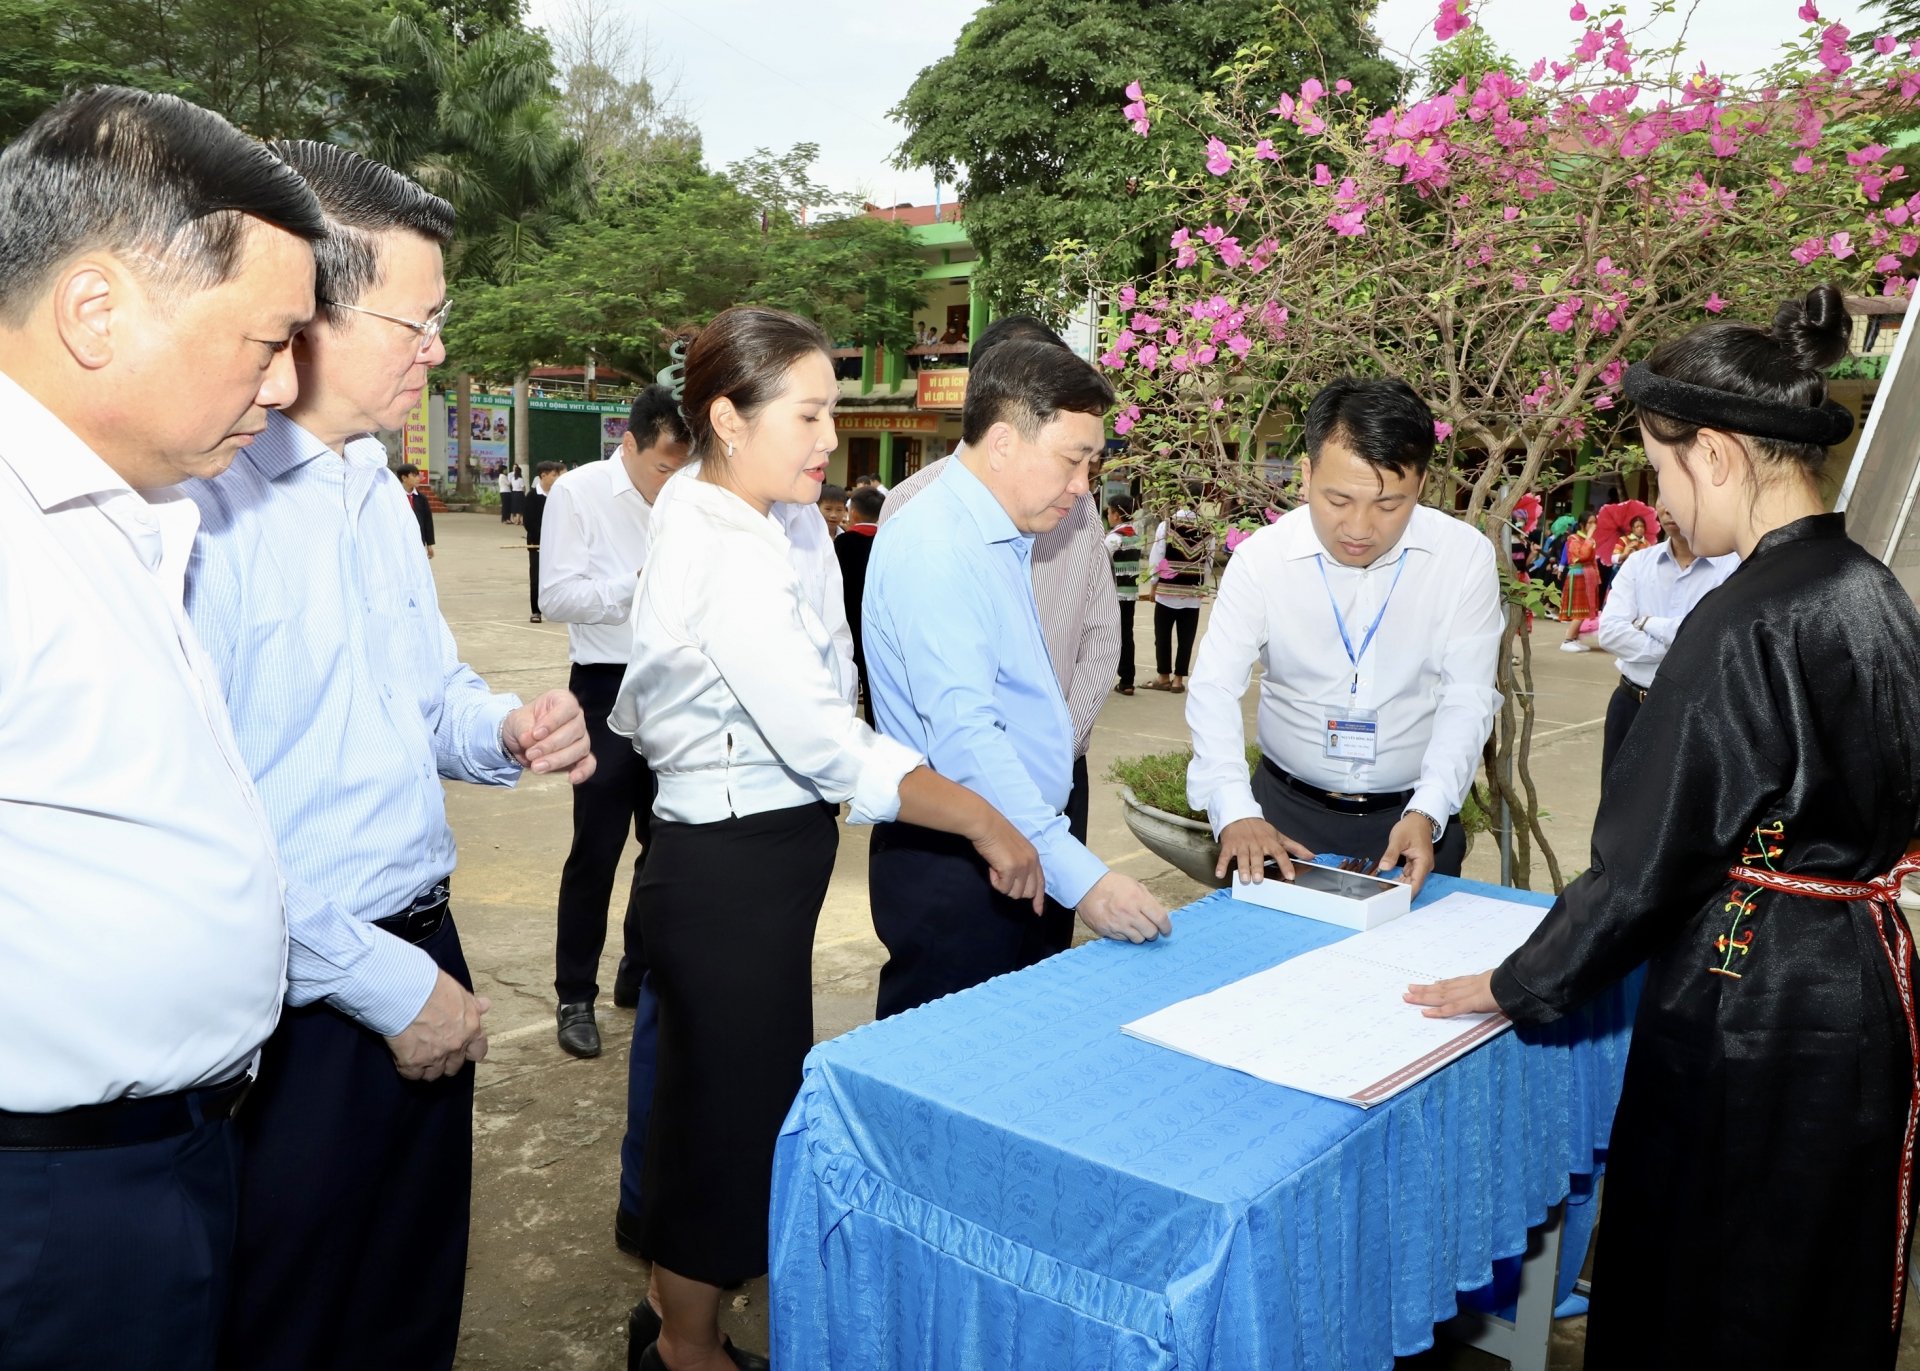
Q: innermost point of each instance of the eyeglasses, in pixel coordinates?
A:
(428, 330)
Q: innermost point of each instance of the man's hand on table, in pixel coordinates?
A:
(1450, 998)
(1410, 847)
(1120, 908)
(1247, 843)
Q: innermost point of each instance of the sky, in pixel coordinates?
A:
(771, 73)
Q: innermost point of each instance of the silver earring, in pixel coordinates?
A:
(729, 452)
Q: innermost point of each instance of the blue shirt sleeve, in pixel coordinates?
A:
(934, 679)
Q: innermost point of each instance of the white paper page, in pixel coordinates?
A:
(1331, 1021)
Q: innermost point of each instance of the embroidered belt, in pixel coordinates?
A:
(1882, 898)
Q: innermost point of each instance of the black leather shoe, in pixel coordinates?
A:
(579, 1034)
(643, 1327)
(626, 986)
(651, 1360)
(626, 1234)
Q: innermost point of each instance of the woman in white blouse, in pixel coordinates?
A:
(744, 710)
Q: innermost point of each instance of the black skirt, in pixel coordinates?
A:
(730, 910)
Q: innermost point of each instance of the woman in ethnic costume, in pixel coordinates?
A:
(1759, 1202)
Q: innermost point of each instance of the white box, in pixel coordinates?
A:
(1328, 894)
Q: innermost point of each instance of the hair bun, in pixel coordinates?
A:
(1816, 331)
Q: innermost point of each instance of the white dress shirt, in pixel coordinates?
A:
(736, 691)
(142, 945)
(1429, 672)
(1653, 586)
(593, 542)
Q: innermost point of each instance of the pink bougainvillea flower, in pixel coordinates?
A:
(1898, 215)
(1537, 70)
(1283, 107)
(1216, 404)
(1809, 14)
(1722, 145)
(1872, 152)
(1185, 252)
(1603, 402)
(1620, 59)
(1134, 92)
(1212, 234)
(1311, 91)
(1803, 164)
(1113, 359)
(1809, 252)
(1909, 245)
(1321, 175)
(1833, 49)
(1237, 536)
(1841, 246)
(1510, 213)
(1146, 323)
(1180, 362)
(1126, 342)
(1240, 345)
(1342, 86)
(1519, 280)
(1263, 150)
(1611, 373)
(1578, 13)
(1715, 304)
(1887, 264)
(1885, 44)
(1442, 430)
(1231, 253)
(1351, 224)
(1274, 316)
(1124, 421)
(1149, 356)
(1136, 109)
(1561, 72)
(1589, 45)
(1127, 296)
(1777, 186)
(1219, 160)
(1451, 19)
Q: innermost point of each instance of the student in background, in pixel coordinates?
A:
(1123, 548)
(1181, 556)
(853, 550)
(543, 478)
(833, 508)
(410, 481)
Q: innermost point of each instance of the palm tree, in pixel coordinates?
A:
(497, 150)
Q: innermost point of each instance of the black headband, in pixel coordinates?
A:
(1815, 425)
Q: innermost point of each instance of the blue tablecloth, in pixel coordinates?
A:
(1003, 1179)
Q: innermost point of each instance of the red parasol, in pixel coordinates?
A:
(1527, 510)
(1617, 518)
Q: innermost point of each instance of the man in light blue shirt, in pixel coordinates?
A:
(1653, 592)
(958, 670)
(313, 596)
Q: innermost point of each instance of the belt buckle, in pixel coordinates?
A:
(1343, 795)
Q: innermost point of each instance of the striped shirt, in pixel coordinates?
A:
(312, 594)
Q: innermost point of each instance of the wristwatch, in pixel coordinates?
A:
(1438, 827)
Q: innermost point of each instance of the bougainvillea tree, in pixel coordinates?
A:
(1508, 244)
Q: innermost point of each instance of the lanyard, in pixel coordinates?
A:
(1340, 621)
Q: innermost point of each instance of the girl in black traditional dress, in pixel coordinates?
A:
(1759, 1198)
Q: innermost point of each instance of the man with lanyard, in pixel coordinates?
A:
(1377, 623)
(1654, 592)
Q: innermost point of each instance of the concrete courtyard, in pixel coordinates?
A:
(546, 1286)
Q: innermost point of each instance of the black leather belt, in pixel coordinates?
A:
(1639, 693)
(1337, 800)
(123, 1123)
(422, 919)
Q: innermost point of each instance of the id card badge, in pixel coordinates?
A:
(1352, 733)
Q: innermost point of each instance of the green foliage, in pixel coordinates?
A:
(1160, 779)
(667, 248)
(1024, 114)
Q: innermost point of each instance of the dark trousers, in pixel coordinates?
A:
(355, 1184)
(533, 578)
(1328, 831)
(943, 924)
(642, 1069)
(1623, 707)
(1126, 644)
(117, 1257)
(618, 797)
(1167, 623)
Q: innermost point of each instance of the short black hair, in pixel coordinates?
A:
(360, 198)
(406, 469)
(1015, 326)
(865, 481)
(1123, 505)
(829, 491)
(656, 415)
(149, 176)
(1380, 420)
(1026, 383)
(545, 467)
(866, 503)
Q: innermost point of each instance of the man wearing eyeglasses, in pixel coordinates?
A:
(350, 703)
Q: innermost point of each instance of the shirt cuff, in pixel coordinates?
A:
(389, 987)
(876, 791)
(491, 761)
(1232, 804)
(1429, 801)
(1072, 871)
